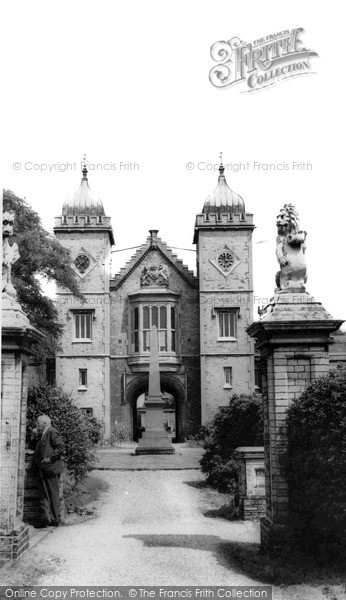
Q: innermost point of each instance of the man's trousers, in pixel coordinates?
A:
(48, 488)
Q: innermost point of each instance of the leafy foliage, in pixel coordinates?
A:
(40, 255)
(239, 424)
(78, 431)
(316, 466)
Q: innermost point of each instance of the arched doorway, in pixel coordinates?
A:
(174, 389)
(170, 415)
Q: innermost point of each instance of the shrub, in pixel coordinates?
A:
(121, 434)
(78, 431)
(239, 424)
(316, 468)
(95, 429)
(198, 439)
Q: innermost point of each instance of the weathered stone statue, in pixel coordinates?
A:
(10, 253)
(290, 251)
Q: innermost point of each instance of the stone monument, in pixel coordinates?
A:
(155, 439)
(17, 339)
(293, 336)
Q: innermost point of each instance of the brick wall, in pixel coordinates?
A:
(289, 370)
(14, 537)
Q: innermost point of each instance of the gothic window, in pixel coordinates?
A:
(226, 323)
(144, 317)
(82, 326)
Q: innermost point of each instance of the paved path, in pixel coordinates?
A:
(125, 459)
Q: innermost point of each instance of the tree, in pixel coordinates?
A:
(316, 465)
(239, 424)
(40, 255)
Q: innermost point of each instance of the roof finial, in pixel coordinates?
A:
(84, 167)
(221, 167)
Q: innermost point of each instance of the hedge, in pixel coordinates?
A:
(316, 465)
(239, 424)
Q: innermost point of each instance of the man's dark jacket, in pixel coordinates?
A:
(48, 445)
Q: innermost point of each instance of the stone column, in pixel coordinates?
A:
(155, 439)
(293, 336)
(17, 338)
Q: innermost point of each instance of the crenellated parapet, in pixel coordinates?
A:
(224, 219)
(221, 221)
(79, 223)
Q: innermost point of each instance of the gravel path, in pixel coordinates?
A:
(149, 530)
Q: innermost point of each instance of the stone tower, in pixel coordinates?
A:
(83, 364)
(223, 234)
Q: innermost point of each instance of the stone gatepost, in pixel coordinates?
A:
(293, 336)
(17, 339)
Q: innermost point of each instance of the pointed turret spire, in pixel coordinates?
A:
(84, 168)
(221, 167)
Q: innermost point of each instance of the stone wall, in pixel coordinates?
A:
(180, 374)
(91, 355)
(220, 290)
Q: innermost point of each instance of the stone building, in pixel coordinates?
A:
(205, 352)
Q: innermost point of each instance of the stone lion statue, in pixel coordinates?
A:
(10, 253)
(290, 251)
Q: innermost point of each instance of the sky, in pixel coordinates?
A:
(128, 82)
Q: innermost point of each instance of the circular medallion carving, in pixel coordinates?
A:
(82, 262)
(225, 260)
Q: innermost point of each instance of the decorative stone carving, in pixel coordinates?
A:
(10, 253)
(154, 275)
(83, 262)
(226, 260)
(290, 251)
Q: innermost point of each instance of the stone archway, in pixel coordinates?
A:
(170, 386)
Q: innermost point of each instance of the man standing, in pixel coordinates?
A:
(48, 466)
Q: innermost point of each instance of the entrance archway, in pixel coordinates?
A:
(174, 391)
